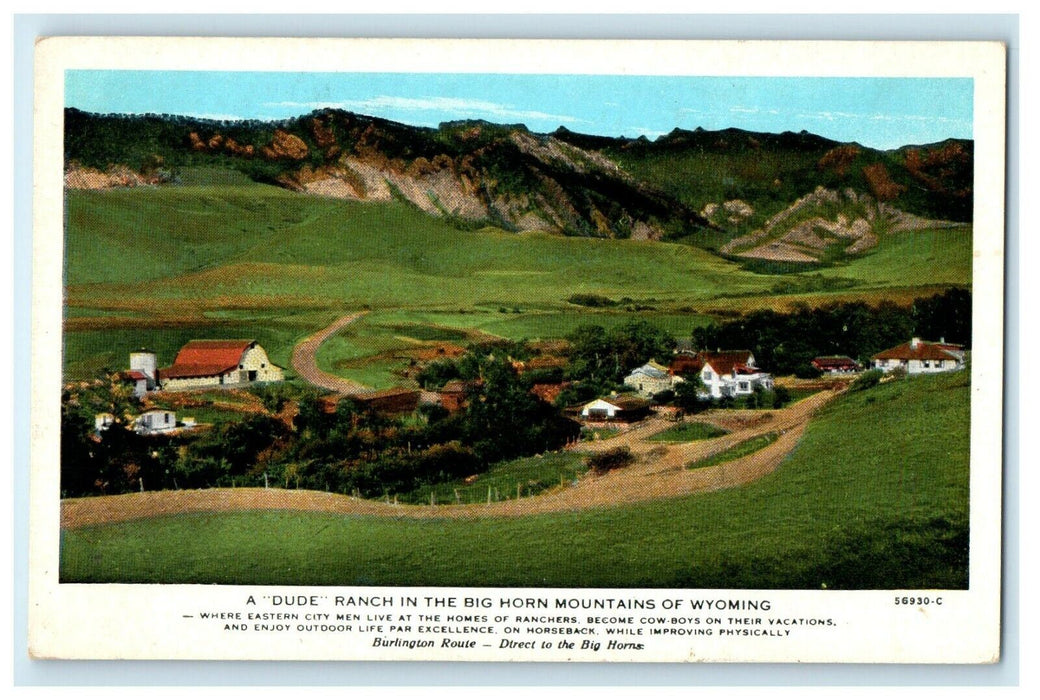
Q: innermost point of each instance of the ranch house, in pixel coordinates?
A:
(651, 379)
(724, 372)
(214, 363)
(921, 357)
(835, 364)
(616, 409)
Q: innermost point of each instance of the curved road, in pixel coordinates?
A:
(659, 472)
(304, 359)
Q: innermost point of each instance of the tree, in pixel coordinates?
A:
(687, 393)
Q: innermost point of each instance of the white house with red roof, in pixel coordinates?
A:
(214, 363)
(724, 372)
(921, 357)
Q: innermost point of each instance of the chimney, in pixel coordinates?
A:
(915, 343)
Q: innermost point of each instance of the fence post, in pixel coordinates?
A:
(489, 494)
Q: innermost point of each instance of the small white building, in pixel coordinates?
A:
(623, 409)
(103, 421)
(921, 357)
(157, 420)
(651, 379)
(215, 363)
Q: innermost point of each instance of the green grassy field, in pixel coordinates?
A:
(528, 475)
(688, 432)
(842, 512)
(741, 449)
(218, 257)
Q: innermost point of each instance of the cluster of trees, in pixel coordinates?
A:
(352, 450)
(786, 343)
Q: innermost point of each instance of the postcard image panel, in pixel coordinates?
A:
(517, 350)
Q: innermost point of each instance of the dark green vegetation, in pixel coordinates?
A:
(688, 432)
(351, 450)
(787, 343)
(842, 511)
(742, 449)
(609, 460)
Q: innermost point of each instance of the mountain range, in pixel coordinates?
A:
(794, 197)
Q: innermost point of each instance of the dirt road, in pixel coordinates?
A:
(304, 359)
(659, 472)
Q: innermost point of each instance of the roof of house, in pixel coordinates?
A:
(834, 361)
(681, 364)
(205, 358)
(625, 403)
(923, 350)
(135, 375)
(459, 386)
(548, 392)
(725, 361)
(651, 369)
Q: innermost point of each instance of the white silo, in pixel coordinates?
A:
(143, 361)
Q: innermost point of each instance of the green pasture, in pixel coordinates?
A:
(926, 257)
(260, 261)
(688, 432)
(741, 449)
(527, 476)
(842, 511)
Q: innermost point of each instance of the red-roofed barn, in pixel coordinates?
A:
(208, 363)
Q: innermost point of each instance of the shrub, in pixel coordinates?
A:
(807, 371)
(867, 380)
(592, 300)
(603, 462)
(664, 397)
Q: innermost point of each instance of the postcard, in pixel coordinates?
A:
(513, 350)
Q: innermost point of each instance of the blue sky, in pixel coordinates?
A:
(876, 112)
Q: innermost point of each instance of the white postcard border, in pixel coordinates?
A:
(123, 621)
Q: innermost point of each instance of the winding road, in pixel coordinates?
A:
(659, 472)
(304, 359)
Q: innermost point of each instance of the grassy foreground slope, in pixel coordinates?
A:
(841, 512)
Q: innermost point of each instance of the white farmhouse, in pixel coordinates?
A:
(215, 363)
(724, 373)
(921, 357)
